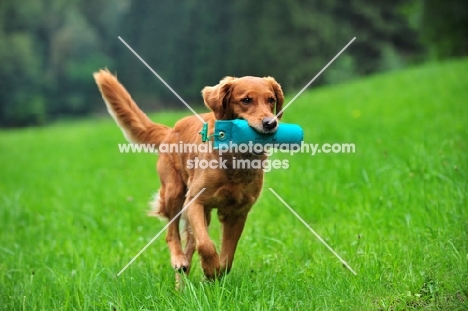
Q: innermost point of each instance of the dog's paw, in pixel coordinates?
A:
(209, 260)
(180, 263)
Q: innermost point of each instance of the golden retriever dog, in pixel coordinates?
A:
(230, 190)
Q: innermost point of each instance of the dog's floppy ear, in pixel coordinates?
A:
(279, 95)
(217, 97)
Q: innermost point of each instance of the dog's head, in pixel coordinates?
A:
(250, 98)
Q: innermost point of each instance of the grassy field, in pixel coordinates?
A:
(72, 210)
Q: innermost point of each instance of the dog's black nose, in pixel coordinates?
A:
(269, 123)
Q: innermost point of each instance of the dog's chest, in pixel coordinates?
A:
(234, 198)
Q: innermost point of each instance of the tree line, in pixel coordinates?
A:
(50, 48)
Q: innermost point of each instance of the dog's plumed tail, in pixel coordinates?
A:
(135, 125)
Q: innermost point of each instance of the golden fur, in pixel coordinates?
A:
(231, 191)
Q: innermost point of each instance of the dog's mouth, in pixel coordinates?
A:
(264, 127)
(262, 130)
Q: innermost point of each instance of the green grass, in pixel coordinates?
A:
(72, 211)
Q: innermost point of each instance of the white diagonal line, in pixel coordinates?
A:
(313, 231)
(162, 80)
(310, 82)
(160, 232)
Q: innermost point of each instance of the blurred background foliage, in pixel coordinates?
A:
(50, 48)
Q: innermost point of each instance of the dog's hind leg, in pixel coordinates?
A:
(189, 249)
(172, 197)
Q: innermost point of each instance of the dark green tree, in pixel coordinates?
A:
(442, 26)
(50, 48)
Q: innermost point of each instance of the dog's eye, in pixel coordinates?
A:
(247, 100)
(271, 100)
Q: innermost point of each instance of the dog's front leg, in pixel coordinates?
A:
(205, 247)
(232, 230)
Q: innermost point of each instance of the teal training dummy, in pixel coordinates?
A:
(238, 132)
